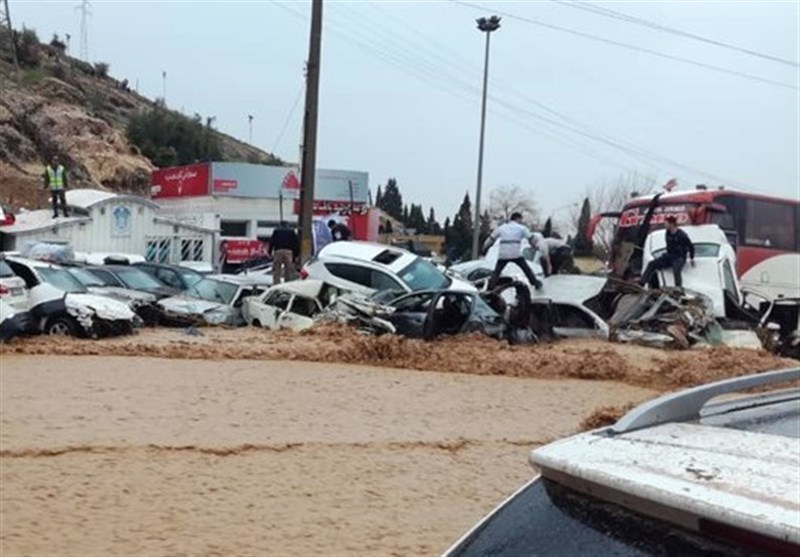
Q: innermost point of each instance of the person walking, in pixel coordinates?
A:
(678, 246)
(511, 236)
(339, 231)
(55, 180)
(284, 247)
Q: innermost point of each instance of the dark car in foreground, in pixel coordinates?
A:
(676, 476)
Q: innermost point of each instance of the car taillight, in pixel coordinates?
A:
(4, 290)
(303, 274)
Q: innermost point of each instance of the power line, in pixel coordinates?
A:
(422, 66)
(608, 12)
(288, 118)
(627, 46)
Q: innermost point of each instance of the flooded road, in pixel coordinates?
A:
(132, 455)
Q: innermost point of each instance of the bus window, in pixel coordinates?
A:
(770, 224)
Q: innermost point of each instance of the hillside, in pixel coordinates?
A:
(57, 105)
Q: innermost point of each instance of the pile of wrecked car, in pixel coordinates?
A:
(381, 289)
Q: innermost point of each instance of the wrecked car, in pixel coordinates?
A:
(142, 303)
(214, 300)
(292, 305)
(479, 271)
(60, 305)
(427, 314)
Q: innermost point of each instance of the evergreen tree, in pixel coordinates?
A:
(391, 200)
(404, 217)
(433, 226)
(379, 198)
(583, 245)
(547, 231)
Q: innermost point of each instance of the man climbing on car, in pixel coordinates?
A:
(511, 236)
(678, 246)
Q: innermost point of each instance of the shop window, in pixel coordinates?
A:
(234, 228)
(192, 249)
(158, 249)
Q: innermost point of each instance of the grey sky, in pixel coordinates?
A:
(400, 88)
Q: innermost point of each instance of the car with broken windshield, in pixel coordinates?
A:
(700, 472)
(215, 300)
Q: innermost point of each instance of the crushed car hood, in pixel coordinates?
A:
(104, 308)
(214, 313)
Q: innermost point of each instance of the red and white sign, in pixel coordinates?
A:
(322, 207)
(635, 216)
(181, 181)
(290, 185)
(224, 185)
(237, 251)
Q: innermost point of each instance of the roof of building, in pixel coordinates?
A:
(42, 219)
(88, 198)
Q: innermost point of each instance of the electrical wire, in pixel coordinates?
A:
(720, 69)
(289, 117)
(608, 12)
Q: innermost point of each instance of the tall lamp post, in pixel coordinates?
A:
(486, 25)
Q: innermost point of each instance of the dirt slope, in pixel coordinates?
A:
(63, 107)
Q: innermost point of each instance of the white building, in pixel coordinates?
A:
(102, 221)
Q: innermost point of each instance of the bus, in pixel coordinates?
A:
(762, 229)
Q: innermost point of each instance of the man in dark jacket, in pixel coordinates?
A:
(678, 246)
(283, 247)
(339, 231)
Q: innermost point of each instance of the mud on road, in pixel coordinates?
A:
(473, 354)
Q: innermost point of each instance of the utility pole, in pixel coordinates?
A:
(164, 86)
(250, 129)
(487, 25)
(68, 36)
(86, 12)
(8, 32)
(309, 164)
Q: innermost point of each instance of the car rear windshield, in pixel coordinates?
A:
(190, 277)
(61, 279)
(547, 519)
(423, 275)
(214, 291)
(700, 250)
(86, 277)
(137, 279)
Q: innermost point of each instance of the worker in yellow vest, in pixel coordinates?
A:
(55, 180)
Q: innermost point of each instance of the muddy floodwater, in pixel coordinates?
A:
(215, 447)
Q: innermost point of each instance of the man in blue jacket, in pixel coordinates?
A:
(678, 246)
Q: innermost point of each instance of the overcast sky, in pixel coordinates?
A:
(400, 87)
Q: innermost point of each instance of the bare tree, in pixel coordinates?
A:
(506, 200)
(611, 195)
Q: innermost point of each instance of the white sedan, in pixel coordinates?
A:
(291, 305)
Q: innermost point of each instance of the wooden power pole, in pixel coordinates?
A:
(309, 162)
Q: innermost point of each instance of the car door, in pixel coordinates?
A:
(266, 312)
(300, 313)
(411, 313)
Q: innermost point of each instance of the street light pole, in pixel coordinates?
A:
(486, 25)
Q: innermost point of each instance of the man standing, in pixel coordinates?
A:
(539, 243)
(678, 245)
(511, 236)
(55, 180)
(339, 231)
(284, 247)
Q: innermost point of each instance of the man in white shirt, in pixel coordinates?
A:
(511, 235)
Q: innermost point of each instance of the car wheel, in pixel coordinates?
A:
(256, 323)
(62, 326)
